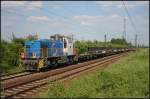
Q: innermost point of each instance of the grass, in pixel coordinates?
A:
(14, 69)
(126, 78)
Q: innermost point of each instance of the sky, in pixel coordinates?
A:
(86, 20)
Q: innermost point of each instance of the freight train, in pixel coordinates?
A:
(45, 53)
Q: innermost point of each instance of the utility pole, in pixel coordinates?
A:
(105, 38)
(72, 36)
(124, 29)
(136, 36)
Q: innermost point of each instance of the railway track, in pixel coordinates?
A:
(30, 87)
(14, 75)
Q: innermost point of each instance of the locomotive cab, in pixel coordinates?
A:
(67, 43)
(67, 46)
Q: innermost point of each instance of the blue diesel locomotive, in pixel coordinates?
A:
(43, 53)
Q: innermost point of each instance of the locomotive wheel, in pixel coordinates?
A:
(54, 63)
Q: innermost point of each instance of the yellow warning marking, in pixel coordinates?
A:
(41, 63)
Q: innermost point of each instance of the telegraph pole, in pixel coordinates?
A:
(136, 36)
(72, 36)
(124, 29)
(105, 38)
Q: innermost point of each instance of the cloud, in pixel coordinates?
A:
(56, 7)
(34, 5)
(134, 4)
(87, 20)
(28, 5)
(37, 18)
(119, 4)
(9, 4)
(108, 3)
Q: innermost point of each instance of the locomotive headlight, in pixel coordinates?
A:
(65, 50)
(22, 55)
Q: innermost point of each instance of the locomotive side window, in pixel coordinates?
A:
(65, 44)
